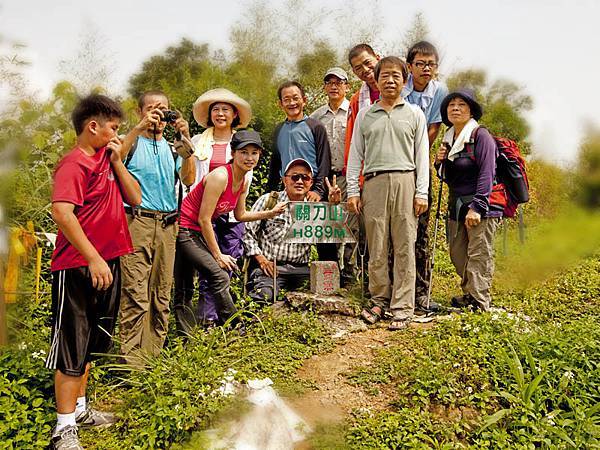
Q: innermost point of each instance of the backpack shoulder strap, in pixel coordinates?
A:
(470, 146)
(131, 152)
(178, 181)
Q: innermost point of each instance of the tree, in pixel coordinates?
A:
(13, 85)
(311, 66)
(588, 169)
(355, 23)
(38, 133)
(174, 72)
(504, 104)
(90, 67)
(418, 31)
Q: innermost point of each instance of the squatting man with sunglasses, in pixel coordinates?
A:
(264, 241)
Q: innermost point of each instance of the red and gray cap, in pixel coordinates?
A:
(337, 72)
(298, 162)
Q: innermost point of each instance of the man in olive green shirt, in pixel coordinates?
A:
(390, 142)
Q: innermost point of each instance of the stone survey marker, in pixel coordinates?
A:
(319, 223)
(324, 277)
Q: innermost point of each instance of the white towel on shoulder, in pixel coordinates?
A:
(463, 138)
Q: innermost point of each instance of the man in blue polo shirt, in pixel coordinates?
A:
(299, 136)
(148, 271)
(422, 89)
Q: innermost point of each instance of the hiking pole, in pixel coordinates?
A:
(274, 279)
(438, 213)
(361, 254)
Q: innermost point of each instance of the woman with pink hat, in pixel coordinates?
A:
(220, 111)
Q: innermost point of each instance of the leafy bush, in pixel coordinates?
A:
(26, 386)
(521, 379)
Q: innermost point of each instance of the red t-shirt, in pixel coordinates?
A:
(88, 182)
(190, 208)
(218, 156)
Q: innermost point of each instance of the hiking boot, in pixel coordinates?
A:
(66, 439)
(94, 418)
(421, 306)
(463, 301)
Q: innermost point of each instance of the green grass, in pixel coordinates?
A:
(177, 394)
(527, 377)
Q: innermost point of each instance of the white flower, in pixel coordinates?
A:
(39, 355)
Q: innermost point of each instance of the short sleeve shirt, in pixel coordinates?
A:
(430, 100)
(153, 166)
(89, 183)
(335, 124)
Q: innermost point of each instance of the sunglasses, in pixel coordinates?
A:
(300, 176)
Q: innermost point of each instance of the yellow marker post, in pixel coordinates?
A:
(38, 273)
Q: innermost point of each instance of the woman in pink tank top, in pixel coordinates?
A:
(220, 112)
(222, 190)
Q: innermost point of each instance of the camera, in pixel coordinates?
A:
(169, 116)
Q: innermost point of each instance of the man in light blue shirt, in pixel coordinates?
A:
(147, 273)
(424, 91)
(422, 88)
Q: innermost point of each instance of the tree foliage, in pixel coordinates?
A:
(38, 134)
(418, 31)
(588, 169)
(89, 68)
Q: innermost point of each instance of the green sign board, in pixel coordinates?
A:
(319, 222)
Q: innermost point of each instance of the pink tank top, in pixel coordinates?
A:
(190, 208)
(218, 156)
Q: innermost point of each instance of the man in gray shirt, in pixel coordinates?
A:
(334, 115)
(390, 142)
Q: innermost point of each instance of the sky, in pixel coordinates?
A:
(549, 48)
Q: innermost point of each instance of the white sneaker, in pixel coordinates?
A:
(66, 439)
(93, 418)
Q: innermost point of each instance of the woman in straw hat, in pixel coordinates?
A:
(220, 111)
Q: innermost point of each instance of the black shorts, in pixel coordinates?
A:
(83, 318)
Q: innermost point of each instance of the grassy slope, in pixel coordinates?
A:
(449, 380)
(525, 377)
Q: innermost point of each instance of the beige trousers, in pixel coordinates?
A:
(146, 286)
(472, 253)
(390, 219)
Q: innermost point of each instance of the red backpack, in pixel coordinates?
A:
(511, 186)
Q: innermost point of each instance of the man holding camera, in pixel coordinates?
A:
(148, 271)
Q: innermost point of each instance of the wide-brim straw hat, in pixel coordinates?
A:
(221, 95)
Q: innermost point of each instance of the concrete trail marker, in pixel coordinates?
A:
(324, 277)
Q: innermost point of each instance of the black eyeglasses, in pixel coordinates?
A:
(300, 176)
(334, 83)
(423, 64)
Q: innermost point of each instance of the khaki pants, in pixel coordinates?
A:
(146, 286)
(472, 253)
(389, 217)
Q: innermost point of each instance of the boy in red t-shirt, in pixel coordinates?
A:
(90, 183)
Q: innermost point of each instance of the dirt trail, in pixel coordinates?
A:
(333, 397)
